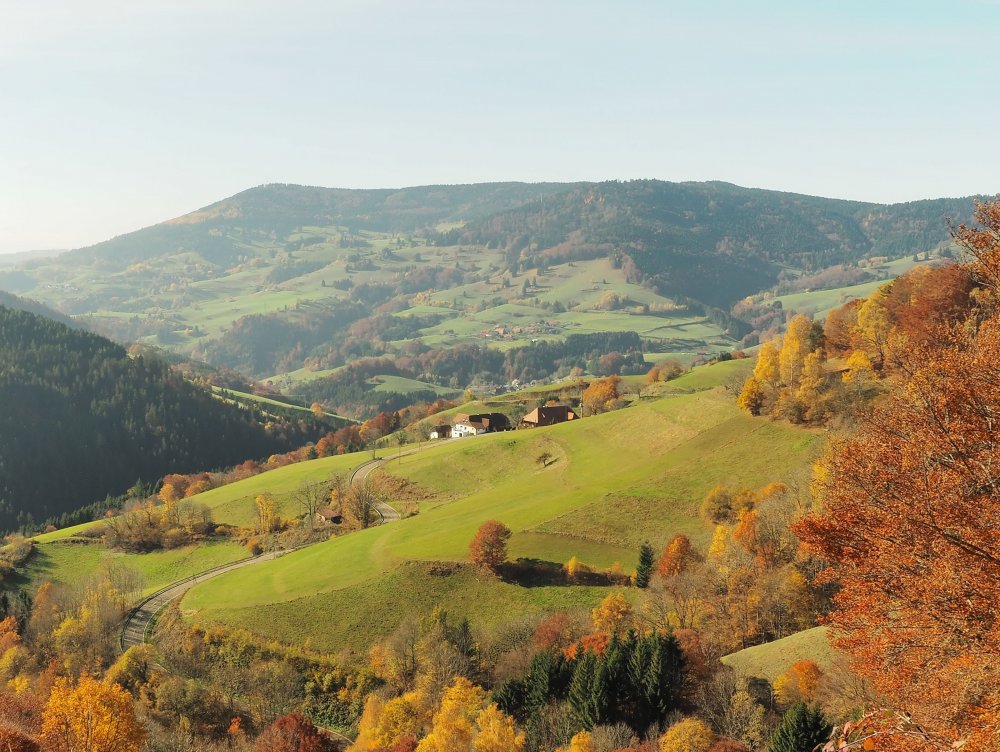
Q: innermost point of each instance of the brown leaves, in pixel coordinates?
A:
(912, 510)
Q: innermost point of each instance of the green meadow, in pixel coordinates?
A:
(74, 562)
(610, 482)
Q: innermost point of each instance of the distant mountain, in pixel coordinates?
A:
(80, 419)
(33, 306)
(712, 242)
(225, 231)
(285, 278)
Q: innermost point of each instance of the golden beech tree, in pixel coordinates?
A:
(401, 716)
(90, 716)
(687, 735)
(909, 525)
(497, 732)
(795, 346)
(601, 395)
(453, 728)
(613, 615)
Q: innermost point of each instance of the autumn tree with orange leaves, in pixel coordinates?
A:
(601, 396)
(909, 521)
(488, 548)
(294, 733)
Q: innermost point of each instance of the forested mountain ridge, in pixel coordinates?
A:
(81, 420)
(221, 231)
(714, 242)
(285, 278)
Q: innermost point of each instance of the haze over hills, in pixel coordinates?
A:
(285, 278)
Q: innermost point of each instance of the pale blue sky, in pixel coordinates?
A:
(115, 115)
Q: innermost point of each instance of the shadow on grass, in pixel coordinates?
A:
(539, 573)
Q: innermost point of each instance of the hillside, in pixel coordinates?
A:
(286, 278)
(612, 482)
(82, 420)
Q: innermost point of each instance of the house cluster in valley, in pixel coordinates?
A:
(480, 423)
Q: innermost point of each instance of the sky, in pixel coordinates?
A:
(115, 115)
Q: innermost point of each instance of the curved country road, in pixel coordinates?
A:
(139, 619)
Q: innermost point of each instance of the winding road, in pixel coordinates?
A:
(135, 629)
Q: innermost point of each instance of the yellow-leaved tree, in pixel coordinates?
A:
(579, 743)
(795, 346)
(687, 735)
(90, 716)
(400, 717)
(613, 616)
(497, 732)
(453, 728)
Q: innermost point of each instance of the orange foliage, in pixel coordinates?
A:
(601, 395)
(488, 548)
(90, 716)
(555, 631)
(677, 556)
(838, 329)
(12, 740)
(294, 733)
(9, 637)
(592, 643)
(910, 526)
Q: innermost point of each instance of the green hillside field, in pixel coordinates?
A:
(612, 482)
(64, 556)
(772, 659)
(71, 562)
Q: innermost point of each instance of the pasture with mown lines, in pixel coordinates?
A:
(612, 481)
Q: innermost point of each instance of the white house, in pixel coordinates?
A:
(467, 428)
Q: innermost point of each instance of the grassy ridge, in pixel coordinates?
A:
(612, 481)
(71, 563)
(775, 658)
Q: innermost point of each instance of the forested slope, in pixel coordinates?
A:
(80, 419)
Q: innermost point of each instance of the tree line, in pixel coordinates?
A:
(82, 420)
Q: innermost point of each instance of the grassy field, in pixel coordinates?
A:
(232, 393)
(401, 385)
(70, 563)
(818, 303)
(771, 660)
(234, 504)
(204, 301)
(611, 482)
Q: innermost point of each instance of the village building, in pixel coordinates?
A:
(474, 425)
(328, 514)
(441, 432)
(549, 415)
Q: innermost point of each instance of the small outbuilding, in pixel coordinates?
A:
(549, 415)
(441, 432)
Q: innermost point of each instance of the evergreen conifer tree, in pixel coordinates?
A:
(803, 728)
(645, 568)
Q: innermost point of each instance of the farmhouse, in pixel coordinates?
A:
(473, 425)
(328, 514)
(549, 415)
(441, 432)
